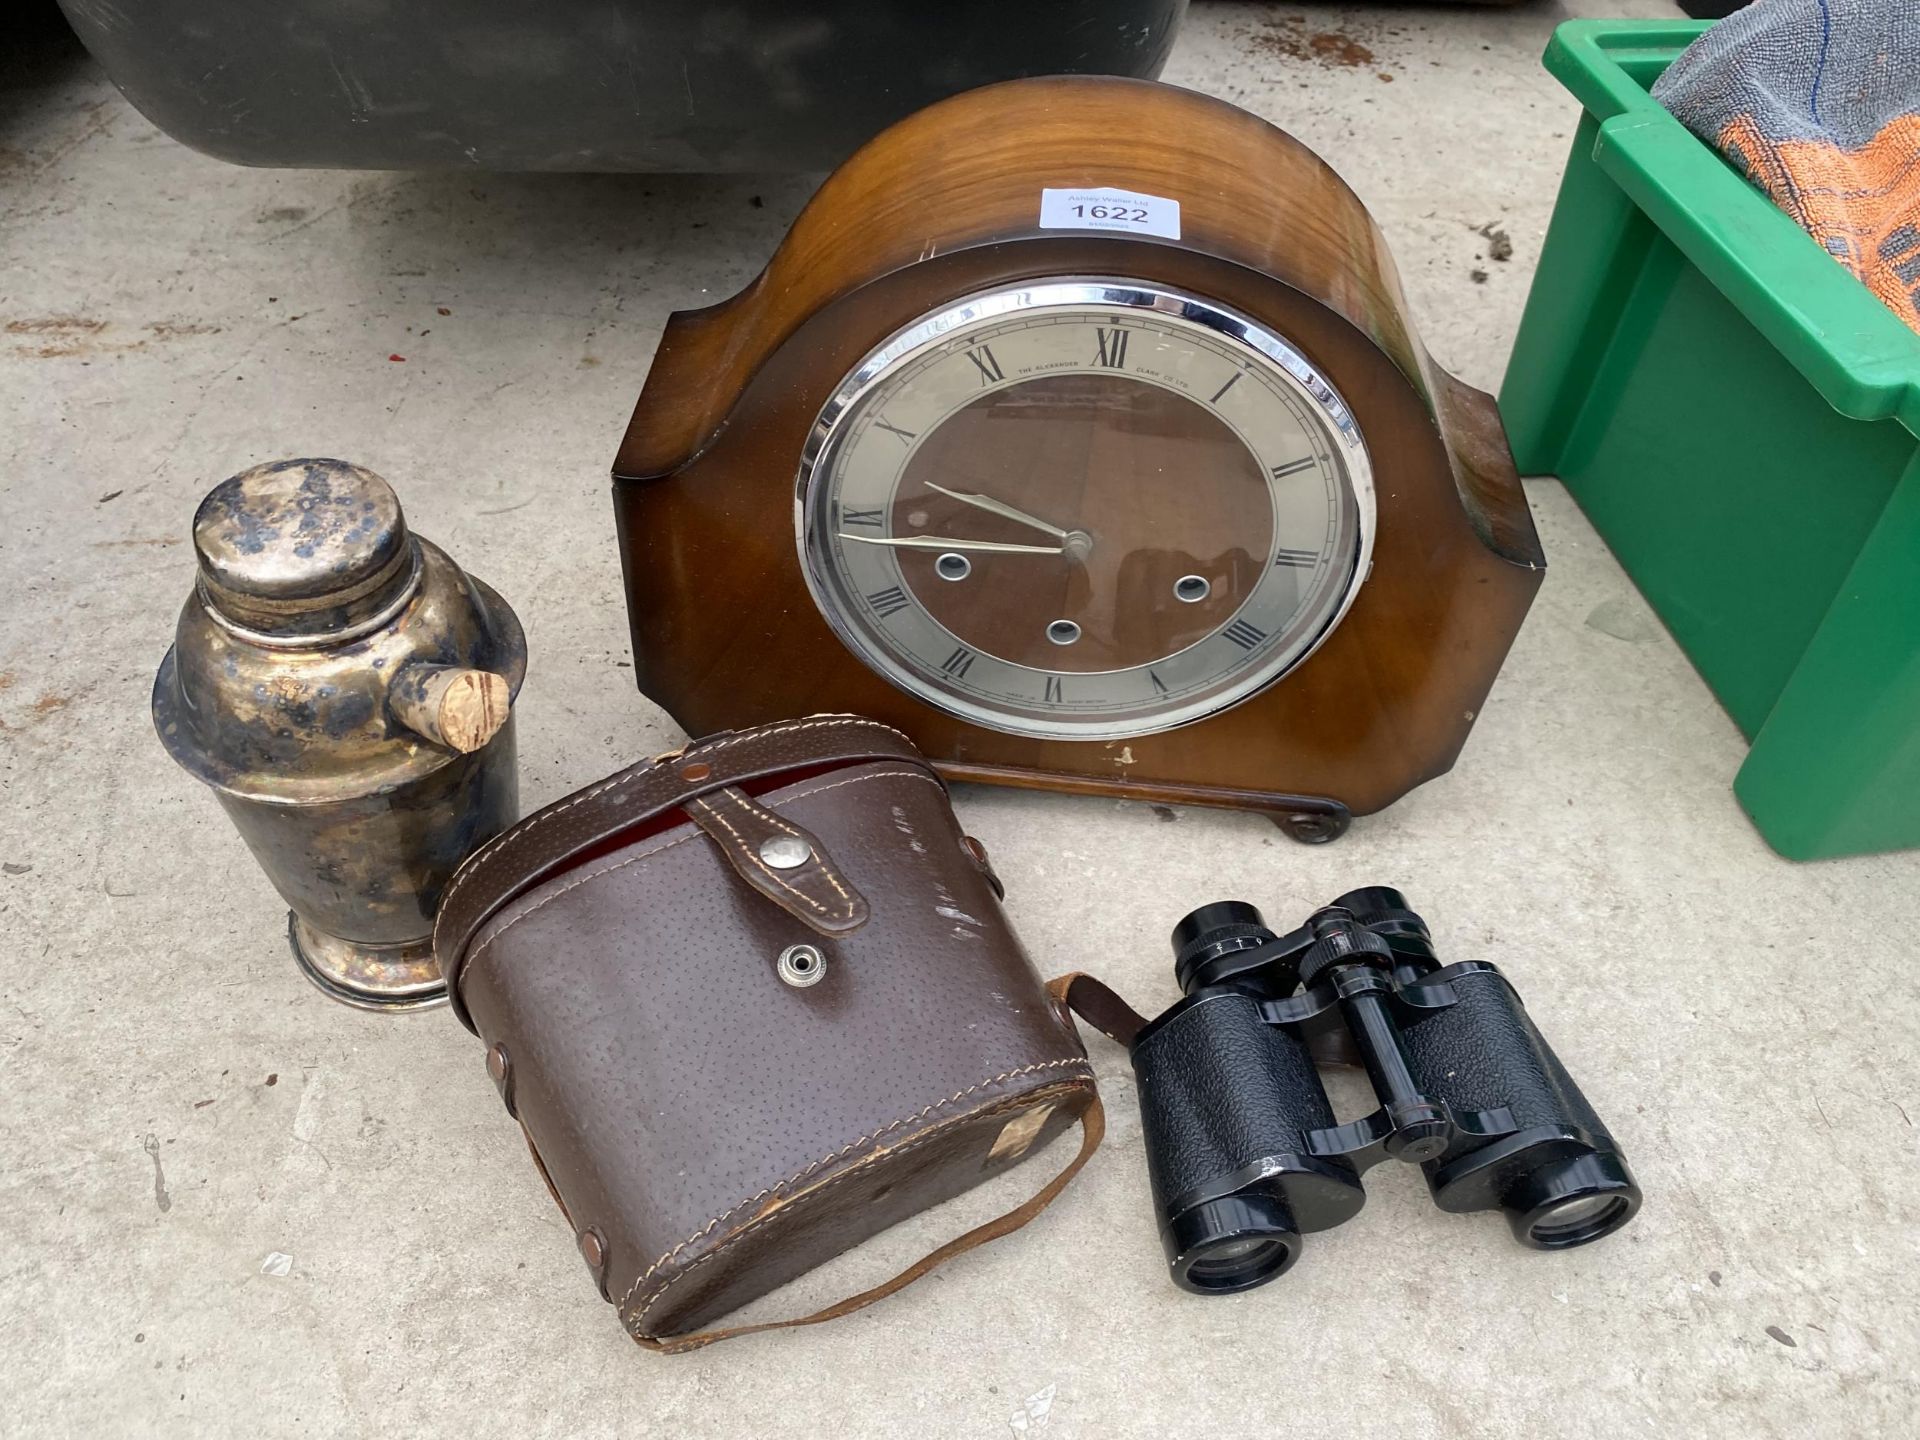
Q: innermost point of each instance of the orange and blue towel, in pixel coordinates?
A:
(1818, 103)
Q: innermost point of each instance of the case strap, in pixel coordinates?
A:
(549, 840)
(1101, 1008)
(1093, 1125)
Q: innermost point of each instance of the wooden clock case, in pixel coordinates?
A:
(946, 204)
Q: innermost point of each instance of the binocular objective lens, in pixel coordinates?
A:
(1233, 1243)
(1576, 1221)
(1571, 1200)
(1237, 1264)
(1576, 1211)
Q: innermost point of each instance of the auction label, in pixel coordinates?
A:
(1110, 210)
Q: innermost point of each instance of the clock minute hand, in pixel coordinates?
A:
(998, 507)
(942, 542)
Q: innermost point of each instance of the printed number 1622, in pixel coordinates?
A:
(1135, 213)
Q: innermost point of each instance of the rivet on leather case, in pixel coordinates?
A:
(593, 1250)
(977, 853)
(500, 1070)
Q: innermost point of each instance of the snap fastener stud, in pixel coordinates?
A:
(783, 852)
(696, 772)
(802, 965)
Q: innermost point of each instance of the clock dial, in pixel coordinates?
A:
(1085, 509)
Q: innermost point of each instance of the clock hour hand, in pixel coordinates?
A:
(941, 542)
(998, 507)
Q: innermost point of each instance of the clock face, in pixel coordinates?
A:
(1085, 509)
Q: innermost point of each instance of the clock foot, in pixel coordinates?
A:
(1313, 821)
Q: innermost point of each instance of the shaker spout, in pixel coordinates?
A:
(450, 705)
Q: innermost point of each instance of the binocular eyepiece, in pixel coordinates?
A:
(1242, 1148)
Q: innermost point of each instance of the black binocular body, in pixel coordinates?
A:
(1242, 1147)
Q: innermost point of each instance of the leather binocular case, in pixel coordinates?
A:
(753, 1003)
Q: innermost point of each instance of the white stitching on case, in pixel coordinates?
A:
(659, 1293)
(799, 1175)
(487, 852)
(509, 922)
(750, 854)
(748, 806)
(811, 723)
(574, 884)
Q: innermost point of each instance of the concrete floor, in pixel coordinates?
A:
(181, 1108)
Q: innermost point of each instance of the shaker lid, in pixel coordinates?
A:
(306, 549)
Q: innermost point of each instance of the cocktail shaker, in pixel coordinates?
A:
(346, 690)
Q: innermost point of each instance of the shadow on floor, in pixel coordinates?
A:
(557, 237)
(38, 51)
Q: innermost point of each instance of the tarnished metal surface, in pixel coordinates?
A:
(314, 608)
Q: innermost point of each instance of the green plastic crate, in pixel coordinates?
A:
(1737, 415)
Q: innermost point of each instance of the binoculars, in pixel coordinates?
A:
(1242, 1148)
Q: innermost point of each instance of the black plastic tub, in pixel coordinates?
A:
(640, 85)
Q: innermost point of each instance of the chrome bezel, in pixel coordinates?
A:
(1279, 357)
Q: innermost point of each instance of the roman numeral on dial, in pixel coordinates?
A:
(886, 602)
(1232, 380)
(868, 518)
(1054, 690)
(1113, 348)
(959, 662)
(1244, 634)
(1293, 467)
(989, 368)
(1296, 559)
(906, 436)
(1159, 685)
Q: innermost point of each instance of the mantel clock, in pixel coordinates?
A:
(1079, 430)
